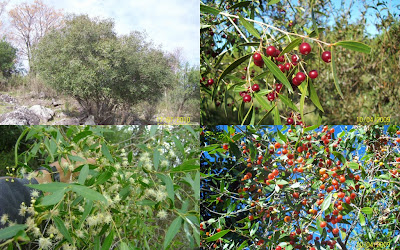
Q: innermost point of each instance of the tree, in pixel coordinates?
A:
(103, 72)
(8, 57)
(261, 62)
(3, 5)
(30, 22)
(299, 187)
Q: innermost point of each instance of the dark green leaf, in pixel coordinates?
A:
(277, 118)
(277, 73)
(172, 231)
(189, 165)
(288, 102)
(11, 231)
(249, 27)
(291, 46)
(108, 241)
(49, 187)
(273, 2)
(82, 135)
(61, 227)
(156, 159)
(83, 175)
(335, 78)
(88, 193)
(232, 66)
(209, 10)
(356, 46)
(217, 235)
(54, 198)
(106, 152)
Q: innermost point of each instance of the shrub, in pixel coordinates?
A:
(8, 55)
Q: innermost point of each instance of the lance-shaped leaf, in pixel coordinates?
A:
(277, 73)
(291, 46)
(249, 27)
(273, 2)
(233, 65)
(335, 78)
(356, 46)
(277, 118)
(314, 97)
(210, 10)
(288, 102)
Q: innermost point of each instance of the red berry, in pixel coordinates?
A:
(278, 248)
(326, 56)
(277, 52)
(281, 67)
(246, 98)
(290, 121)
(300, 76)
(271, 96)
(251, 217)
(335, 231)
(295, 195)
(295, 81)
(322, 224)
(210, 81)
(257, 56)
(295, 58)
(288, 66)
(259, 63)
(313, 74)
(271, 50)
(305, 48)
(255, 88)
(278, 87)
(280, 59)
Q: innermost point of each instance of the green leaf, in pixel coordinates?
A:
(83, 175)
(277, 118)
(88, 193)
(315, 33)
(82, 135)
(291, 46)
(187, 166)
(327, 202)
(249, 44)
(362, 219)
(264, 104)
(49, 187)
(169, 184)
(282, 136)
(172, 231)
(156, 159)
(106, 152)
(248, 112)
(314, 97)
(277, 73)
(254, 228)
(288, 102)
(311, 128)
(146, 203)
(105, 176)
(61, 227)
(123, 246)
(356, 46)
(241, 4)
(54, 198)
(210, 147)
(260, 76)
(108, 241)
(11, 231)
(86, 211)
(217, 235)
(273, 2)
(209, 10)
(178, 145)
(232, 66)
(353, 165)
(153, 130)
(76, 158)
(335, 78)
(196, 186)
(239, 88)
(249, 27)
(366, 210)
(339, 156)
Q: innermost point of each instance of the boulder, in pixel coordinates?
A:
(90, 120)
(8, 99)
(45, 114)
(21, 116)
(67, 121)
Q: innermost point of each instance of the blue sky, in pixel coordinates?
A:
(172, 24)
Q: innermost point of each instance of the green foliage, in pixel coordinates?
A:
(87, 60)
(8, 55)
(132, 197)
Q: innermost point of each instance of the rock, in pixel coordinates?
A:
(8, 99)
(21, 116)
(45, 114)
(55, 103)
(90, 120)
(67, 121)
(41, 95)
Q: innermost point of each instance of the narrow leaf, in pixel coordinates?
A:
(291, 46)
(362, 219)
(249, 27)
(314, 97)
(335, 78)
(108, 241)
(233, 65)
(54, 198)
(106, 153)
(172, 231)
(88, 193)
(61, 227)
(366, 210)
(327, 202)
(11, 231)
(277, 118)
(356, 46)
(209, 10)
(277, 73)
(83, 175)
(217, 235)
(288, 102)
(273, 2)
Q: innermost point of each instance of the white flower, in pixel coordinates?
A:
(150, 192)
(148, 166)
(162, 214)
(108, 218)
(22, 209)
(131, 180)
(160, 195)
(172, 153)
(4, 219)
(45, 243)
(145, 180)
(164, 163)
(81, 209)
(35, 194)
(36, 232)
(117, 166)
(117, 199)
(125, 163)
(123, 150)
(52, 230)
(23, 171)
(80, 234)
(30, 222)
(71, 167)
(93, 220)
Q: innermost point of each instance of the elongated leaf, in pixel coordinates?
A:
(291, 46)
(314, 97)
(146, 203)
(265, 115)
(172, 231)
(356, 46)
(156, 159)
(339, 156)
(87, 209)
(209, 10)
(83, 175)
(108, 241)
(153, 130)
(254, 228)
(241, 4)
(354, 165)
(277, 118)
(49, 187)
(124, 246)
(335, 78)
(238, 88)
(249, 44)
(248, 112)
(217, 235)
(311, 128)
(11, 231)
(105, 176)
(327, 202)
(88, 193)
(179, 145)
(61, 227)
(366, 210)
(264, 104)
(249, 27)
(232, 66)
(288, 102)
(187, 166)
(81, 135)
(282, 136)
(277, 72)
(169, 184)
(54, 198)
(260, 76)
(253, 116)
(302, 100)
(273, 2)
(196, 186)
(106, 152)
(362, 219)
(316, 32)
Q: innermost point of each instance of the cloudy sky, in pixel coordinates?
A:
(172, 24)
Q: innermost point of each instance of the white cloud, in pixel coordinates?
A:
(171, 24)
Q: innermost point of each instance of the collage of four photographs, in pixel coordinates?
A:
(290, 140)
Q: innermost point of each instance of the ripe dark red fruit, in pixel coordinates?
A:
(281, 67)
(288, 66)
(300, 76)
(278, 248)
(247, 98)
(326, 56)
(295, 58)
(277, 52)
(271, 50)
(290, 121)
(295, 195)
(313, 74)
(251, 217)
(295, 81)
(210, 82)
(259, 63)
(280, 59)
(257, 56)
(255, 88)
(305, 48)
(278, 87)
(271, 96)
